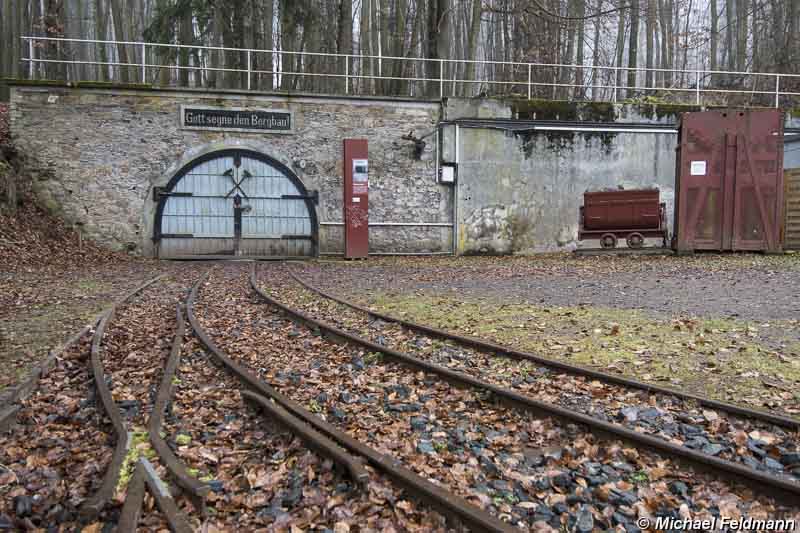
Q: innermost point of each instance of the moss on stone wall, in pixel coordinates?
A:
(77, 84)
(664, 110)
(562, 110)
(544, 109)
(599, 112)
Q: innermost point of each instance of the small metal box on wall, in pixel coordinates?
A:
(729, 181)
(356, 198)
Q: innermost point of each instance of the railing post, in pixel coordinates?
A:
(777, 91)
(614, 89)
(248, 69)
(31, 64)
(346, 74)
(144, 63)
(697, 87)
(441, 78)
(529, 81)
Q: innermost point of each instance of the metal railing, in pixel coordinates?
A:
(359, 74)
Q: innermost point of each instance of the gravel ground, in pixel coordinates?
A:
(534, 473)
(756, 444)
(749, 287)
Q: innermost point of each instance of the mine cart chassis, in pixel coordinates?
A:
(633, 237)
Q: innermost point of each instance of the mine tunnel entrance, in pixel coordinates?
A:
(235, 203)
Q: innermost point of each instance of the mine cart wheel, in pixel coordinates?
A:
(635, 240)
(608, 240)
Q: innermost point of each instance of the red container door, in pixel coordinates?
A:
(701, 181)
(758, 208)
(730, 181)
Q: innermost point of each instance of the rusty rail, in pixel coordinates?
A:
(132, 508)
(145, 479)
(92, 506)
(473, 342)
(451, 506)
(313, 439)
(195, 489)
(174, 516)
(780, 489)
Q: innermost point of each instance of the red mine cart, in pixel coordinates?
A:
(630, 214)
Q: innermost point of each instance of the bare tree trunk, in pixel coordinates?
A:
(20, 70)
(364, 45)
(633, 47)
(620, 47)
(435, 15)
(580, 12)
(596, 50)
(344, 40)
(101, 33)
(684, 64)
(794, 35)
(399, 49)
(415, 48)
(5, 60)
(730, 20)
(186, 34)
(755, 64)
(269, 39)
(668, 40)
(569, 49)
(288, 19)
(650, 31)
(118, 15)
(714, 40)
(741, 34)
(472, 45)
(385, 41)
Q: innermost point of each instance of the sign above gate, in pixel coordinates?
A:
(236, 119)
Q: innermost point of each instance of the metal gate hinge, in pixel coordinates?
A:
(313, 196)
(161, 192)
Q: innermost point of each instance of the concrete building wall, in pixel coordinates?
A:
(521, 192)
(96, 154)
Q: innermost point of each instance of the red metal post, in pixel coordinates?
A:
(356, 198)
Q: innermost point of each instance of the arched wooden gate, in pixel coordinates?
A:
(235, 203)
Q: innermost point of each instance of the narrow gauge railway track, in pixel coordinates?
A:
(405, 511)
(217, 449)
(763, 441)
(529, 471)
(262, 477)
(60, 459)
(130, 350)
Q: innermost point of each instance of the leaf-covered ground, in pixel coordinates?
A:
(43, 305)
(724, 326)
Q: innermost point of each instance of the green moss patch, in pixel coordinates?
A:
(139, 446)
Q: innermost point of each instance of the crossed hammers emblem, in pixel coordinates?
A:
(237, 177)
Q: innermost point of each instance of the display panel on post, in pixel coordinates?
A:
(356, 199)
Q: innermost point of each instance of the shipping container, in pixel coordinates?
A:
(729, 181)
